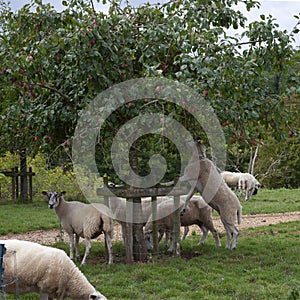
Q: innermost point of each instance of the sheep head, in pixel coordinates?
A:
(53, 198)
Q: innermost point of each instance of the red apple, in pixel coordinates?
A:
(35, 138)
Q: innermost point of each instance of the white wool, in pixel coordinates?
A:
(44, 270)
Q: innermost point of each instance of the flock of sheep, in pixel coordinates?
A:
(53, 274)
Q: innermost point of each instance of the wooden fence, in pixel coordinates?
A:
(21, 183)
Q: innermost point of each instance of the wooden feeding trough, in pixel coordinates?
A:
(134, 241)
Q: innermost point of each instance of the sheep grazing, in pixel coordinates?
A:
(243, 182)
(44, 270)
(197, 212)
(118, 207)
(84, 220)
(216, 194)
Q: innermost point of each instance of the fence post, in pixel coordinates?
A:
(30, 183)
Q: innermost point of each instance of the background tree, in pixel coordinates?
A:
(61, 60)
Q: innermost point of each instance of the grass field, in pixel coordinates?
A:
(266, 264)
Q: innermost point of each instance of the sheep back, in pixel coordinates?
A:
(44, 269)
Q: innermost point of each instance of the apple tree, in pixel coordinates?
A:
(53, 63)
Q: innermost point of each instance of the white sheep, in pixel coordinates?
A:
(215, 192)
(197, 212)
(44, 270)
(84, 220)
(244, 182)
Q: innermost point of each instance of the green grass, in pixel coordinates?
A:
(33, 216)
(273, 201)
(266, 264)
(16, 218)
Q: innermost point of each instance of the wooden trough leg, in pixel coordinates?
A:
(176, 250)
(139, 249)
(154, 223)
(128, 231)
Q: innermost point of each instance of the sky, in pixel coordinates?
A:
(282, 10)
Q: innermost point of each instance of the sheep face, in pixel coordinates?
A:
(97, 296)
(201, 147)
(53, 198)
(148, 241)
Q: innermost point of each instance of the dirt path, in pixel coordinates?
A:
(49, 237)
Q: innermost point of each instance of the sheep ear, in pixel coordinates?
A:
(63, 192)
(44, 193)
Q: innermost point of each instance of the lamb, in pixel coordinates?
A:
(44, 270)
(215, 192)
(84, 220)
(197, 212)
(243, 182)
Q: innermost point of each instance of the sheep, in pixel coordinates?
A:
(215, 192)
(44, 270)
(243, 182)
(197, 212)
(248, 185)
(118, 207)
(84, 220)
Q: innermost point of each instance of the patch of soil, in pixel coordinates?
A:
(50, 237)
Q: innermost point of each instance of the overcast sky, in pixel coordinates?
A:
(282, 11)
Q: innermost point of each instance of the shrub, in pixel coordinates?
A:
(280, 162)
(46, 178)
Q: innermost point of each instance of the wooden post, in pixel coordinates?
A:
(23, 176)
(176, 250)
(30, 183)
(13, 185)
(129, 231)
(139, 248)
(106, 198)
(17, 182)
(154, 225)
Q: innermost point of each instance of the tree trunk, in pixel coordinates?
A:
(24, 179)
(139, 249)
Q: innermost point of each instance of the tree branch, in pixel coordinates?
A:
(53, 90)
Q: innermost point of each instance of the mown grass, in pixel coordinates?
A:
(266, 264)
(33, 216)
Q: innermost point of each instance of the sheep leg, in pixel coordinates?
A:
(77, 246)
(204, 234)
(187, 200)
(172, 238)
(246, 195)
(87, 250)
(44, 296)
(229, 236)
(71, 238)
(235, 234)
(232, 235)
(216, 237)
(185, 232)
(109, 248)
